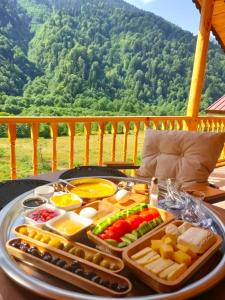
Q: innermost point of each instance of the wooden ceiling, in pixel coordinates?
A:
(218, 20)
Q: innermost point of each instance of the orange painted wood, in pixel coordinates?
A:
(71, 132)
(87, 132)
(200, 59)
(12, 142)
(54, 135)
(114, 132)
(101, 128)
(126, 131)
(34, 137)
(136, 132)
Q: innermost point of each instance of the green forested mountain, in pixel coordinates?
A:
(96, 57)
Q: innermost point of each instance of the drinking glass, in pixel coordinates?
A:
(174, 198)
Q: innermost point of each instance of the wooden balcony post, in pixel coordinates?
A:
(71, 132)
(101, 128)
(12, 141)
(114, 132)
(200, 59)
(34, 138)
(54, 135)
(126, 131)
(87, 132)
(136, 131)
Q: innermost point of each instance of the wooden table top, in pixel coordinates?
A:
(10, 290)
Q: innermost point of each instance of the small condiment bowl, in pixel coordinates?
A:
(73, 217)
(46, 191)
(29, 220)
(76, 199)
(34, 202)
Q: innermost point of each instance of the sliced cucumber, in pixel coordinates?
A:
(131, 237)
(112, 242)
(122, 245)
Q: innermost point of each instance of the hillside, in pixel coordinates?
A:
(96, 57)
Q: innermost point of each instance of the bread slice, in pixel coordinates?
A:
(197, 239)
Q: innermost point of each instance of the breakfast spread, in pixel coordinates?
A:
(125, 230)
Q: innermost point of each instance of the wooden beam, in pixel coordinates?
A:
(200, 59)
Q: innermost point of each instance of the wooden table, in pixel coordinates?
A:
(10, 290)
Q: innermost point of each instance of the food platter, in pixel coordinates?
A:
(52, 287)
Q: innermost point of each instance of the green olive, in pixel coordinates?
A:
(72, 250)
(23, 230)
(79, 252)
(105, 263)
(67, 246)
(113, 266)
(89, 256)
(45, 239)
(98, 257)
(38, 236)
(32, 233)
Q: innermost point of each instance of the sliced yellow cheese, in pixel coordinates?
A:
(155, 244)
(168, 270)
(166, 251)
(141, 253)
(177, 272)
(159, 265)
(187, 250)
(182, 257)
(146, 258)
(168, 240)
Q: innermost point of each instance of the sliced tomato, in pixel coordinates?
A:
(103, 236)
(135, 221)
(120, 227)
(112, 235)
(150, 214)
(154, 211)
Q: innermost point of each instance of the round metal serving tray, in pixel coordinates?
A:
(53, 288)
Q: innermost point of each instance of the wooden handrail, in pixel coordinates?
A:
(129, 125)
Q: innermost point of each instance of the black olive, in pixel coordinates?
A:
(79, 272)
(47, 257)
(96, 279)
(106, 283)
(55, 260)
(24, 247)
(35, 252)
(32, 248)
(114, 286)
(121, 288)
(61, 263)
(16, 244)
(75, 264)
(89, 275)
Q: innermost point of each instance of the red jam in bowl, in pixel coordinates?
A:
(42, 215)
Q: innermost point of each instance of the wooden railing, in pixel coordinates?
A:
(131, 125)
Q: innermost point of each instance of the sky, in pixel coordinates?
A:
(180, 12)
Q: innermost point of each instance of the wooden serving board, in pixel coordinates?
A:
(152, 280)
(68, 276)
(106, 247)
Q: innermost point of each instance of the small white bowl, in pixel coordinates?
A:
(46, 191)
(41, 224)
(67, 207)
(42, 201)
(73, 217)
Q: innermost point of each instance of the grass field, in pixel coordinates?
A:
(24, 153)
